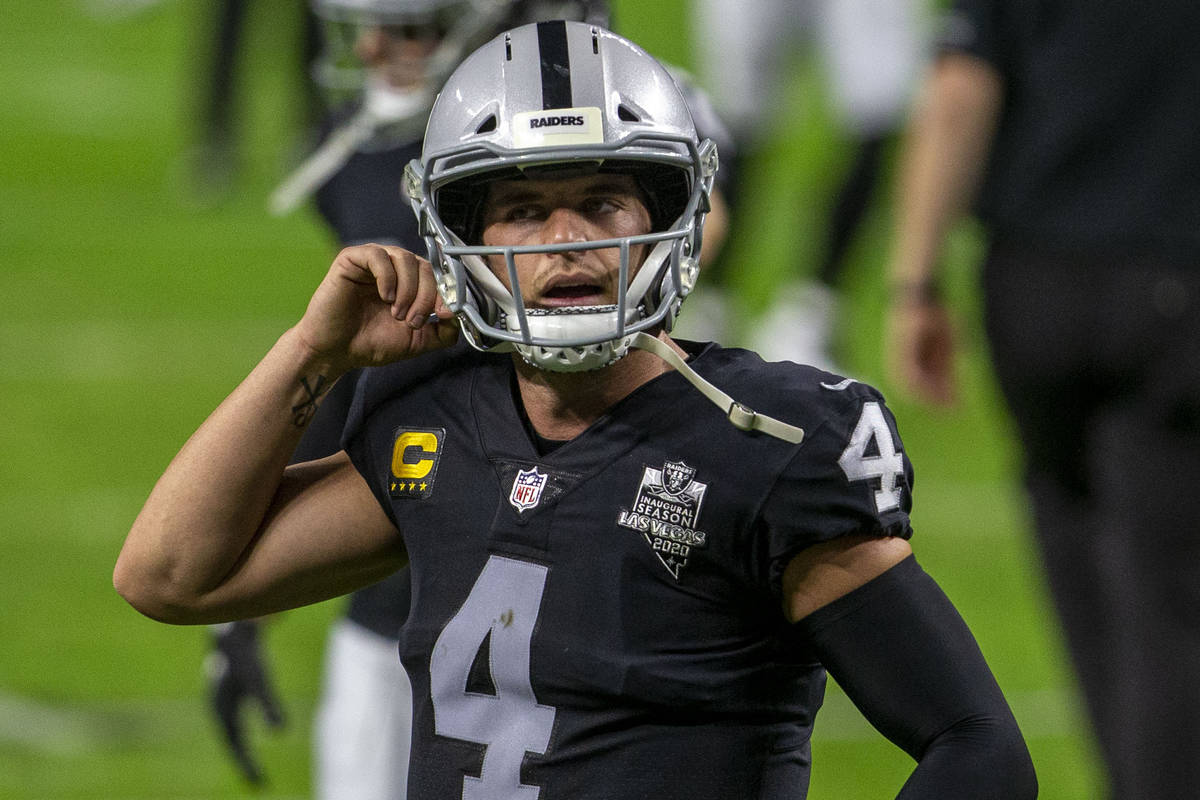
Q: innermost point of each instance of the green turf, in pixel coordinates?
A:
(129, 310)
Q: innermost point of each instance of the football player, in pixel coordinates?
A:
(626, 583)
(377, 65)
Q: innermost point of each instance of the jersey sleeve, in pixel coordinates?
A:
(359, 439)
(383, 398)
(850, 476)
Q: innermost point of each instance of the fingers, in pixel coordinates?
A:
(227, 700)
(375, 306)
(367, 264)
(272, 710)
(921, 344)
(934, 387)
(934, 374)
(418, 303)
(416, 297)
(402, 279)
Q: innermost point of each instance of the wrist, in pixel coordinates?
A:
(309, 359)
(309, 373)
(916, 292)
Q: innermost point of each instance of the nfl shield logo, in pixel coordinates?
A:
(527, 489)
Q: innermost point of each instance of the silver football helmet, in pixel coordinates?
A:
(561, 96)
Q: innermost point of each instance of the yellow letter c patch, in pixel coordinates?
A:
(415, 456)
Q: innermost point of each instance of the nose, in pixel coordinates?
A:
(565, 225)
(371, 46)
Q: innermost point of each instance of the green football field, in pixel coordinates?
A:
(130, 308)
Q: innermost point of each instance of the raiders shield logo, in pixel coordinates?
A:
(666, 511)
(677, 480)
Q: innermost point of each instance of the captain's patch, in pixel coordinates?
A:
(416, 453)
(666, 512)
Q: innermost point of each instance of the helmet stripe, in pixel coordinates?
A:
(556, 64)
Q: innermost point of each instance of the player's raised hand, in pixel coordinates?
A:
(374, 307)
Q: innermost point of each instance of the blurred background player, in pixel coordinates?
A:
(380, 66)
(214, 156)
(1073, 126)
(221, 58)
(870, 54)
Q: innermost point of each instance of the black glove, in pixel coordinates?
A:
(236, 676)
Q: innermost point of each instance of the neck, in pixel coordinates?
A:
(561, 405)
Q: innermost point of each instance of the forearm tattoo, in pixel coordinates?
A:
(302, 413)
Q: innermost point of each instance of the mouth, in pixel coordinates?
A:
(573, 293)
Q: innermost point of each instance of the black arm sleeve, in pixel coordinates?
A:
(902, 653)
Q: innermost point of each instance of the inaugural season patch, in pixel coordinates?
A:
(416, 453)
(665, 512)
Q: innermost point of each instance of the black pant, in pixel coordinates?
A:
(1099, 360)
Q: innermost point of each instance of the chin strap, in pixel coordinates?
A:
(739, 415)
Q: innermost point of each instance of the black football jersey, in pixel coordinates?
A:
(605, 621)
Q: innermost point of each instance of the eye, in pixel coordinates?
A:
(600, 204)
(519, 213)
(415, 33)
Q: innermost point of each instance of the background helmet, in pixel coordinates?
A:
(459, 26)
(540, 99)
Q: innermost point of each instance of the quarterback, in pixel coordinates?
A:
(626, 583)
